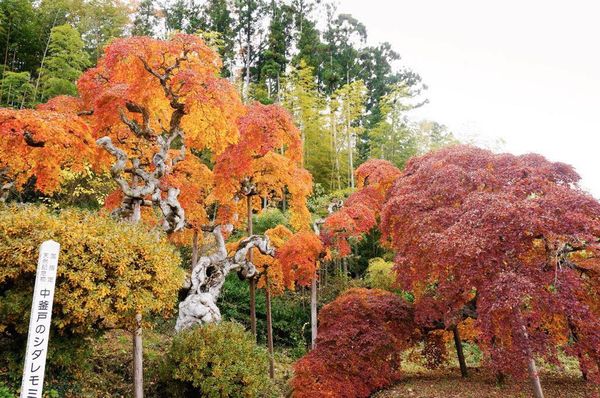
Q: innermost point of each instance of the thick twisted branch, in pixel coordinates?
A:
(148, 183)
(209, 274)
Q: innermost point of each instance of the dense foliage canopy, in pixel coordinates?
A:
(512, 236)
(361, 337)
(108, 270)
(160, 100)
(35, 145)
(265, 164)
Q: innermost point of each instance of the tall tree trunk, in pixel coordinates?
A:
(533, 371)
(5, 62)
(313, 312)
(138, 349)
(336, 156)
(284, 201)
(246, 88)
(253, 279)
(269, 328)
(37, 82)
(350, 155)
(459, 352)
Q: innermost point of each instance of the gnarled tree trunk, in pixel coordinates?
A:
(208, 277)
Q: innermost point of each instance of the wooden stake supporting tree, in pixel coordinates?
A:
(300, 258)
(270, 277)
(252, 279)
(295, 263)
(331, 208)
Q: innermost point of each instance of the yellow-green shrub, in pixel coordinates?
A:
(107, 270)
(380, 274)
(214, 361)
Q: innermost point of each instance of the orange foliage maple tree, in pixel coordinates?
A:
(265, 163)
(36, 145)
(156, 103)
(299, 258)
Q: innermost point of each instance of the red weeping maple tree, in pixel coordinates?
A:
(361, 337)
(510, 240)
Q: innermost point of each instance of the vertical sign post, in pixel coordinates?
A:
(39, 322)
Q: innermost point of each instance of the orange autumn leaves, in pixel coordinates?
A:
(157, 75)
(299, 258)
(144, 90)
(361, 210)
(132, 96)
(296, 261)
(35, 145)
(265, 163)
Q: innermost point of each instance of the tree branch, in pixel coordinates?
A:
(29, 140)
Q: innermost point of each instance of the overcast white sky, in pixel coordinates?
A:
(526, 71)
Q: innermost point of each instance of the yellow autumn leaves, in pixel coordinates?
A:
(107, 270)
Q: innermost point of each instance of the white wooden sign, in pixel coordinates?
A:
(39, 323)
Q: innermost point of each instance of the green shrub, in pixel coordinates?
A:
(381, 275)
(5, 392)
(364, 250)
(214, 361)
(268, 219)
(107, 270)
(320, 199)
